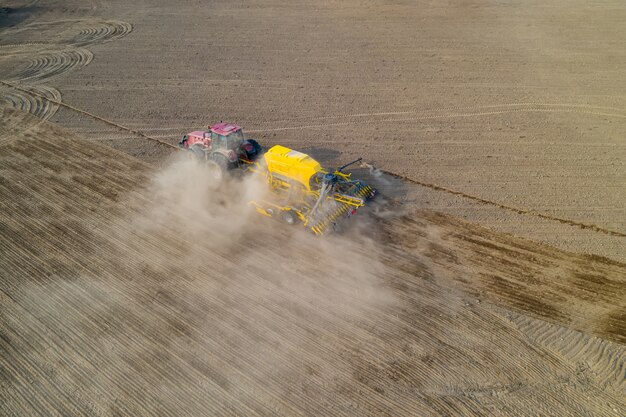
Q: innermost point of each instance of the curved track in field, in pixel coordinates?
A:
(39, 100)
(49, 50)
(49, 64)
(101, 31)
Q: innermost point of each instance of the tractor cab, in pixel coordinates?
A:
(221, 141)
(221, 136)
(226, 136)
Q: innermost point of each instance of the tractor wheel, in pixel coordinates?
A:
(218, 166)
(289, 217)
(197, 152)
(256, 149)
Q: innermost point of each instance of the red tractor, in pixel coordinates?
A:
(222, 145)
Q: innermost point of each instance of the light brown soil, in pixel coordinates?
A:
(109, 308)
(510, 115)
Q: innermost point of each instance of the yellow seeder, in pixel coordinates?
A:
(302, 191)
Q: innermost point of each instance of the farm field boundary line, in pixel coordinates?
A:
(517, 210)
(523, 106)
(440, 116)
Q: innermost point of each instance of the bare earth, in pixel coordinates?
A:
(488, 279)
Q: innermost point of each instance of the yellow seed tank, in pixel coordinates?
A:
(303, 192)
(290, 165)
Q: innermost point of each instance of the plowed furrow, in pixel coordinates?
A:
(99, 32)
(605, 361)
(106, 282)
(47, 65)
(60, 297)
(44, 109)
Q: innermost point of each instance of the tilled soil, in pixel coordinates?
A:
(128, 289)
(115, 302)
(520, 104)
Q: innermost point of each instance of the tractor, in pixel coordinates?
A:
(300, 190)
(222, 146)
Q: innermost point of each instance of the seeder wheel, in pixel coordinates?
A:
(289, 217)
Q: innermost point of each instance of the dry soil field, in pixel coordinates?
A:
(489, 278)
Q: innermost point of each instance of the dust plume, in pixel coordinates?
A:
(184, 196)
(208, 276)
(186, 204)
(377, 174)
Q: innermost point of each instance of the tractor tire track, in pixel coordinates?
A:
(70, 32)
(440, 116)
(32, 101)
(24, 45)
(47, 65)
(419, 115)
(101, 32)
(522, 106)
(50, 59)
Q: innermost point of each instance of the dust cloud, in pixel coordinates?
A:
(221, 228)
(208, 276)
(377, 174)
(185, 196)
(187, 280)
